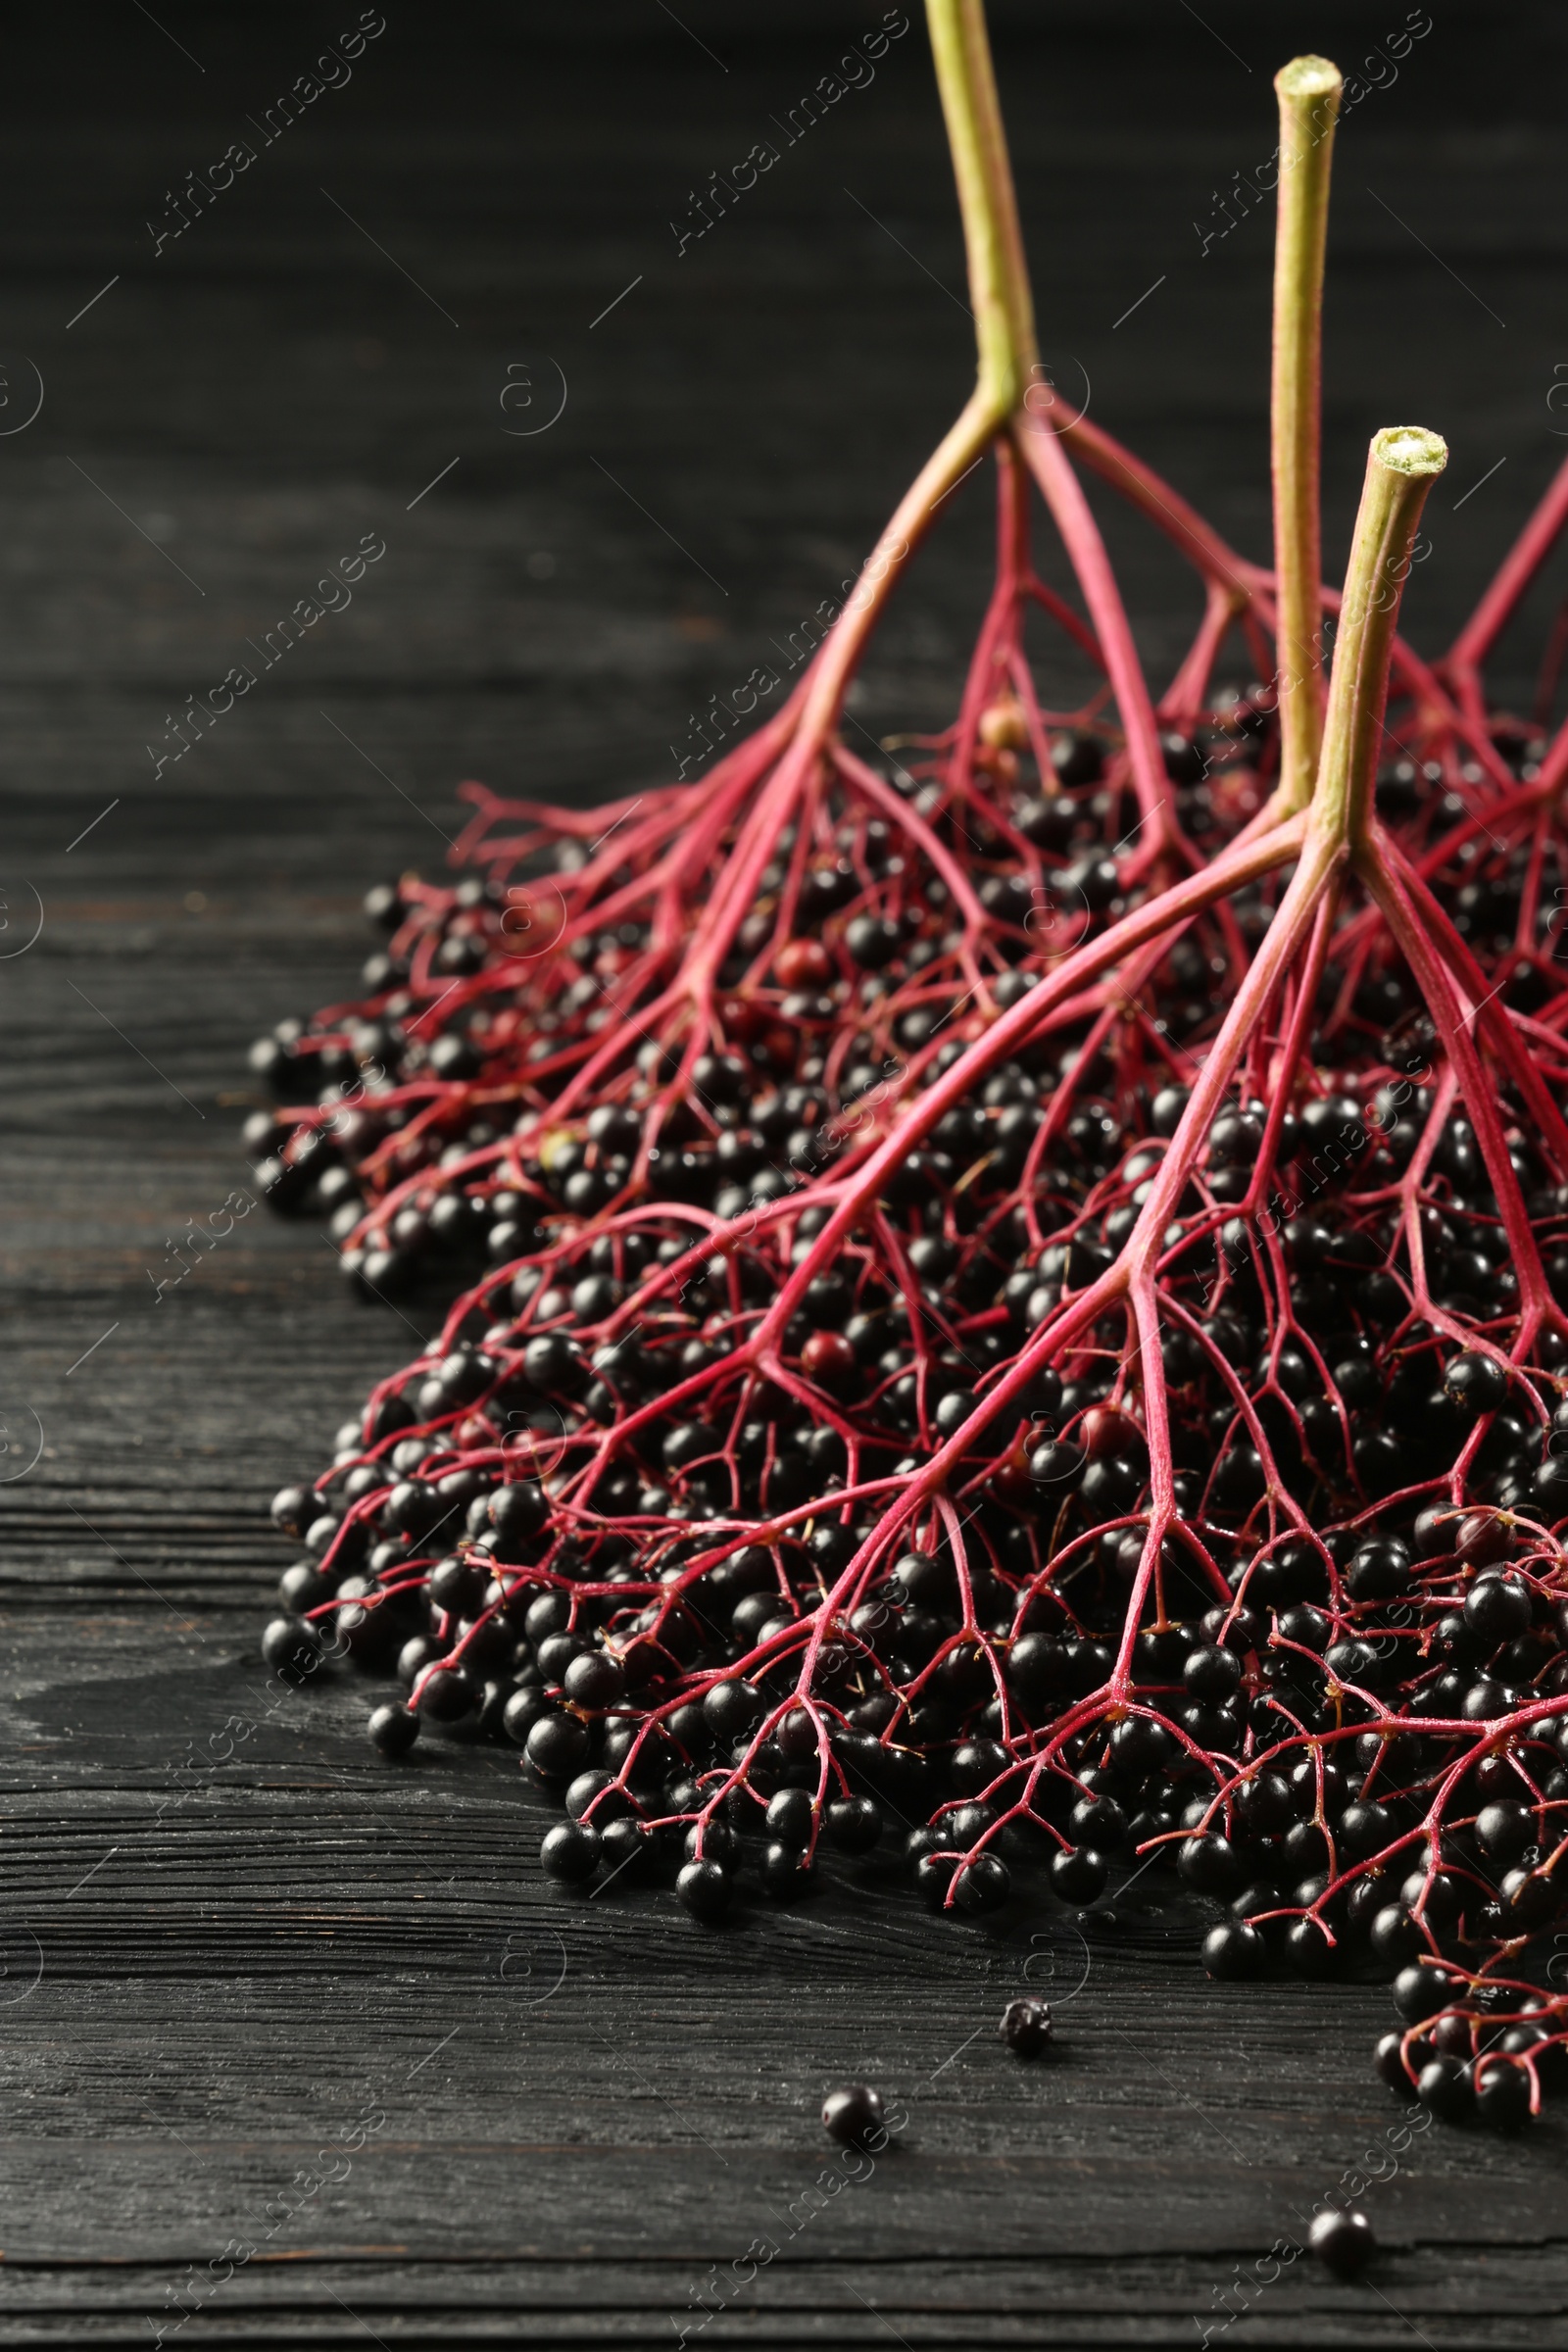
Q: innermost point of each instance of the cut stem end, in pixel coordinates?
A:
(1409, 449)
(1402, 462)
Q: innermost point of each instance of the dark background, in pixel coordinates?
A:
(213, 1963)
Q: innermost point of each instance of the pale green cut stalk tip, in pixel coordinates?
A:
(1409, 449)
(1307, 77)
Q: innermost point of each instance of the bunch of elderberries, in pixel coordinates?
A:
(1059, 1372)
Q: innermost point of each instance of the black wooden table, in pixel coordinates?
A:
(295, 2046)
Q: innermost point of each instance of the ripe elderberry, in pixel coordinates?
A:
(1026, 2027)
(1344, 2242)
(852, 2115)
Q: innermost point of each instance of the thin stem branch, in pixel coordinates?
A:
(1063, 493)
(1512, 578)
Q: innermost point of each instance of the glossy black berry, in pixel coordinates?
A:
(521, 1712)
(982, 1884)
(1078, 1873)
(448, 1696)
(1100, 1822)
(570, 1851)
(301, 1588)
(292, 1647)
(1476, 1383)
(1529, 1900)
(1419, 1992)
(1078, 758)
(1165, 1112)
(1036, 1667)
(1452, 2035)
(785, 1871)
(791, 1818)
(853, 2115)
(873, 940)
(596, 1679)
(933, 1878)
(557, 1746)
(547, 1614)
(1444, 2086)
(584, 1789)
(924, 1577)
(1505, 1828)
(703, 1888)
(854, 1823)
(1211, 1865)
(1235, 1948)
(732, 1709)
(1264, 1804)
(1388, 2062)
(1501, 2095)
(1344, 2242)
(1379, 1572)
(554, 1364)
(719, 1843)
(622, 1845)
(393, 1729)
(1395, 1937)
(1497, 1610)
(1026, 2027)
(457, 1586)
(1307, 1950)
(1186, 761)
(517, 1512)
(1139, 1745)
(292, 1507)
(1212, 1674)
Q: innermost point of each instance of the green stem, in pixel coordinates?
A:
(1401, 465)
(1005, 331)
(998, 287)
(1309, 97)
(999, 280)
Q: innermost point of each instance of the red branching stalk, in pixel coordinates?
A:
(1122, 1404)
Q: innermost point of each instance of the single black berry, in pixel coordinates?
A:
(1078, 1873)
(1503, 2093)
(1344, 2242)
(393, 1729)
(1419, 1992)
(1444, 2085)
(850, 2116)
(292, 1647)
(1026, 2027)
(1235, 1948)
(703, 1888)
(570, 1851)
(557, 1746)
(854, 1823)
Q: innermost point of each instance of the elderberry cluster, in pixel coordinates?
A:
(937, 1691)
(927, 1378)
(419, 1122)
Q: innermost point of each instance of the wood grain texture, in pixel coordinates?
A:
(227, 1930)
